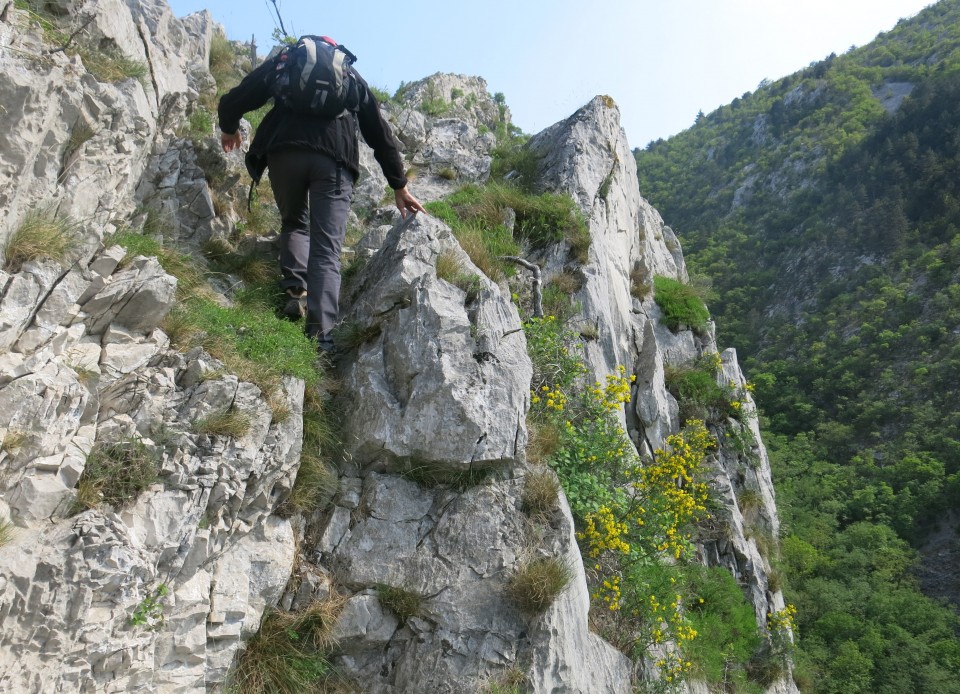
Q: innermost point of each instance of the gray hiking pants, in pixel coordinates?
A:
(313, 223)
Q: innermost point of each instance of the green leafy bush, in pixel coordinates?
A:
(680, 304)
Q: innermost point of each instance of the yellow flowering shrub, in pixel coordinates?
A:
(634, 517)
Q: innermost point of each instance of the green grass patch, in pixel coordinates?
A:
(680, 303)
(541, 220)
(248, 337)
(271, 347)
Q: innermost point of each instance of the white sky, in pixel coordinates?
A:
(660, 61)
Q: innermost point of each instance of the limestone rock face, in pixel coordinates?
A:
(449, 527)
(200, 545)
(446, 124)
(70, 139)
(456, 96)
(458, 550)
(443, 360)
(587, 156)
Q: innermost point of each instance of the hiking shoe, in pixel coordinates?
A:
(296, 306)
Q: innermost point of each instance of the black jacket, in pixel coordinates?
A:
(282, 128)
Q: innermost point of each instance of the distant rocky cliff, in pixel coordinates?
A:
(442, 384)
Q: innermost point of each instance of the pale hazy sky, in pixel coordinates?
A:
(661, 61)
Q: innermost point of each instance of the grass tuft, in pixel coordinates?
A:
(13, 440)
(231, 422)
(7, 532)
(543, 442)
(288, 655)
(110, 65)
(402, 602)
(640, 288)
(541, 493)
(350, 335)
(537, 583)
(115, 474)
(41, 235)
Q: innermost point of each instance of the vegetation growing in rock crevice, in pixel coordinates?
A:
(288, 654)
(115, 474)
(635, 525)
(41, 235)
(247, 337)
(829, 228)
(105, 62)
(681, 305)
(477, 216)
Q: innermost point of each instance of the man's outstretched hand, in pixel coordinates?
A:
(406, 203)
(230, 142)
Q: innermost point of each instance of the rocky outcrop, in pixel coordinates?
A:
(200, 544)
(583, 156)
(444, 359)
(449, 526)
(158, 593)
(80, 143)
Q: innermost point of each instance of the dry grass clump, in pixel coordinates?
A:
(288, 653)
(749, 500)
(80, 134)
(544, 441)
(640, 288)
(316, 485)
(448, 266)
(231, 422)
(567, 282)
(110, 65)
(471, 240)
(12, 441)
(402, 602)
(537, 583)
(115, 474)
(449, 269)
(317, 480)
(7, 531)
(40, 235)
(541, 492)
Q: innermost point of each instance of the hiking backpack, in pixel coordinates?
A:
(313, 78)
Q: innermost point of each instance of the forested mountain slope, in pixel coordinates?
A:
(825, 209)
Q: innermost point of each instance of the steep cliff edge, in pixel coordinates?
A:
(160, 590)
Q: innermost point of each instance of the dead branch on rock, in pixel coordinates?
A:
(537, 282)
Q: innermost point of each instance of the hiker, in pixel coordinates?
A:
(313, 156)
